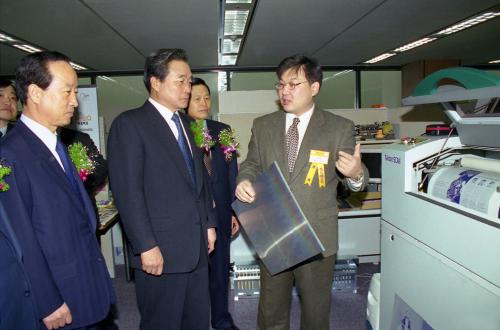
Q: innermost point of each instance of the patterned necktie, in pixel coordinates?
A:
(184, 146)
(63, 155)
(292, 143)
(207, 162)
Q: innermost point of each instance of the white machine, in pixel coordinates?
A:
(440, 237)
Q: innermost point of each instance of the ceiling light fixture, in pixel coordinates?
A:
(468, 23)
(480, 18)
(6, 38)
(234, 22)
(229, 59)
(235, 19)
(27, 48)
(380, 58)
(414, 44)
(494, 62)
(77, 66)
(12, 41)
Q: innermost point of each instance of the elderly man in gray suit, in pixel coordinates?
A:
(315, 150)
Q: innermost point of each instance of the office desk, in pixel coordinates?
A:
(108, 217)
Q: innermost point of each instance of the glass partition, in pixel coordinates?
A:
(338, 90)
(380, 89)
(252, 81)
(117, 94)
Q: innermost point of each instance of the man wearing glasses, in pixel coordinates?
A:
(298, 138)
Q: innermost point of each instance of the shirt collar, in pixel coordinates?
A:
(165, 112)
(305, 117)
(43, 133)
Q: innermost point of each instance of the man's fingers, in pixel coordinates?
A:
(245, 192)
(357, 150)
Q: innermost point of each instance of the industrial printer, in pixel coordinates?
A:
(440, 238)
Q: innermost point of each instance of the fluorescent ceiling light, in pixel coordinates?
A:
(234, 22)
(380, 58)
(468, 23)
(414, 44)
(4, 38)
(28, 48)
(494, 62)
(229, 59)
(238, 1)
(77, 66)
(231, 46)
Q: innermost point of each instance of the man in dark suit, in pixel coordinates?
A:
(298, 138)
(8, 105)
(162, 192)
(54, 219)
(222, 174)
(17, 306)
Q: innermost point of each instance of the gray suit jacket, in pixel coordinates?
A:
(325, 132)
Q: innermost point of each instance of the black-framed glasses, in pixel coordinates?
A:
(291, 86)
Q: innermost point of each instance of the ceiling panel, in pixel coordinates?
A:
(394, 24)
(150, 25)
(71, 28)
(282, 28)
(109, 35)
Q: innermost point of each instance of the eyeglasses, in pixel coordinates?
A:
(291, 86)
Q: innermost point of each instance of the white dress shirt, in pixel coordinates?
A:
(43, 133)
(167, 114)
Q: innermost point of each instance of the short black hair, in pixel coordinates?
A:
(157, 64)
(6, 83)
(312, 69)
(34, 69)
(198, 81)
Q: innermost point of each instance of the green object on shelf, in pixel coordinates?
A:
(467, 77)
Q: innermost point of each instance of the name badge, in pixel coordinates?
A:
(319, 157)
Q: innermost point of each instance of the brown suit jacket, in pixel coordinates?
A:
(325, 132)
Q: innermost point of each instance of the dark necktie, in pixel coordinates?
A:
(292, 143)
(207, 161)
(1, 134)
(184, 146)
(63, 155)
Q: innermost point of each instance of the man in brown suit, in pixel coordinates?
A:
(303, 140)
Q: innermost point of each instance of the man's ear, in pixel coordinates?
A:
(155, 83)
(315, 88)
(34, 93)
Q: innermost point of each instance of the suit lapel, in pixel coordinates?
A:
(311, 135)
(47, 160)
(278, 135)
(162, 132)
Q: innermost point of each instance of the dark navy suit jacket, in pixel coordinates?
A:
(17, 306)
(223, 180)
(55, 226)
(153, 189)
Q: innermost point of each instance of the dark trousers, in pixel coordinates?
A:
(219, 284)
(174, 301)
(313, 280)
